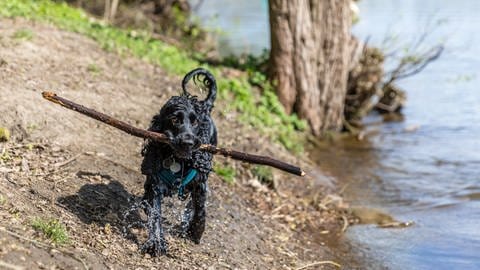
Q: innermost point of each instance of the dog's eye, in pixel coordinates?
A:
(174, 120)
(193, 120)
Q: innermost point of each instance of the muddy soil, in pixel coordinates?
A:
(59, 164)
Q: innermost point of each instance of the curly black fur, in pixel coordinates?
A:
(187, 122)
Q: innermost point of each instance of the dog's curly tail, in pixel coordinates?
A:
(208, 80)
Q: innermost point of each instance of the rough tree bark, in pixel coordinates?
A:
(310, 54)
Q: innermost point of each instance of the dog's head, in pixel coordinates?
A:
(183, 117)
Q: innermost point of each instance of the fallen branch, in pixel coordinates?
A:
(146, 134)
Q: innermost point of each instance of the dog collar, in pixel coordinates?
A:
(172, 174)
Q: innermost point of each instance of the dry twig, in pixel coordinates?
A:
(319, 263)
(345, 223)
(68, 161)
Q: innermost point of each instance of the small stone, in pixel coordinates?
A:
(107, 229)
(25, 167)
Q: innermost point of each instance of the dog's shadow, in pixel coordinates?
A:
(105, 204)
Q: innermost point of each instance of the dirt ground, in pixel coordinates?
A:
(59, 164)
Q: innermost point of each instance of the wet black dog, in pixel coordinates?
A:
(180, 167)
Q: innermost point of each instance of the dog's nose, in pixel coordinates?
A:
(188, 140)
(188, 143)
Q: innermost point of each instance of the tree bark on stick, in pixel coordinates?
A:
(309, 60)
(159, 137)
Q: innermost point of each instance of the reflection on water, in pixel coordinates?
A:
(243, 24)
(429, 174)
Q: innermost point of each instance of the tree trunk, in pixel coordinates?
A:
(309, 61)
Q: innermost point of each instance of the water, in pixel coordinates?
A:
(427, 168)
(431, 175)
(176, 215)
(243, 25)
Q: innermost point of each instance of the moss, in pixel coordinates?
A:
(52, 229)
(4, 134)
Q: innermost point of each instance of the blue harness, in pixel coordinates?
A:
(177, 180)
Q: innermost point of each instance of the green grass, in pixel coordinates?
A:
(265, 114)
(31, 127)
(5, 157)
(264, 175)
(23, 34)
(52, 229)
(94, 69)
(226, 172)
(4, 134)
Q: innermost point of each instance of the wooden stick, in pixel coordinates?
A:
(159, 137)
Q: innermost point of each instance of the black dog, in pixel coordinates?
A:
(179, 167)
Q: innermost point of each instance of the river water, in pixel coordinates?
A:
(425, 169)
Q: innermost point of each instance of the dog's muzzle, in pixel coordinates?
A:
(185, 144)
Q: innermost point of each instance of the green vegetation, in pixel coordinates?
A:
(3, 200)
(265, 114)
(94, 69)
(461, 78)
(30, 146)
(23, 34)
(226, 172)
(264, 175)
(31, 127)
(5, 156)
(52, 229)
(4, 134)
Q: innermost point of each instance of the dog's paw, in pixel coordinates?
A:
(154, 247)
(194, 237)
(195, 240)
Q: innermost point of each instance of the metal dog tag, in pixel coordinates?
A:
(175, 167)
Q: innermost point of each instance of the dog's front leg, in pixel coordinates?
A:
(155, 244)
(197, 224)
(186, 219)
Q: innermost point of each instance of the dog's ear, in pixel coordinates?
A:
(208, 80)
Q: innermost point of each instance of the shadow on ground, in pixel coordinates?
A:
(105, 204)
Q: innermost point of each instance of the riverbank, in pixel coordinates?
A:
(60, 166)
